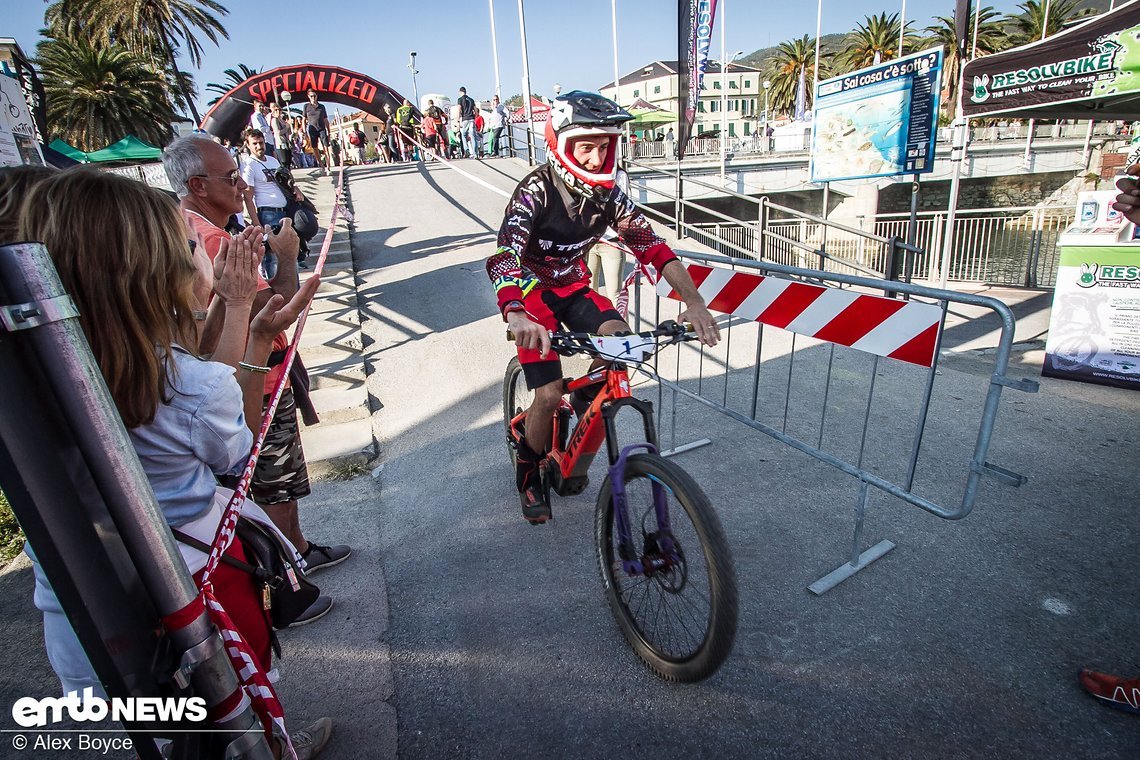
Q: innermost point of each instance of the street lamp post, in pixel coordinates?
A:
(767, 86)
(724, 107)
(415, 88)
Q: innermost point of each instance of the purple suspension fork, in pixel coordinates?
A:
(666, 557)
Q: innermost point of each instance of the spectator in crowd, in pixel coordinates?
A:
(334, 146)
(383, 152)
(211, 188)
(395, 144)
(498, 124)
(122, 246)
(318, 128)
(265, 202)
(261, 121)
(478, 133)
(1122, 693)
(405, 123)
(358, 142)
(282, 137)
(670, 144)
(430, 127)
(467, 111)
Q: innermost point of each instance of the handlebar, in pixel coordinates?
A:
(632, 347)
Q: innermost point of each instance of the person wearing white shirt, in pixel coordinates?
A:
(259, 120)
(265, 202)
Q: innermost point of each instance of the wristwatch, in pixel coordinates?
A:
(511, 306)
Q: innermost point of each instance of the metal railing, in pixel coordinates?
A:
(892, 425)
(1001, 246)
(780, 235)
(799, 143)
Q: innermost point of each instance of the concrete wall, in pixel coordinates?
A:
(984, 192)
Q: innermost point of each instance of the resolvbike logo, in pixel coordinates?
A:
(1113, 276)
(1102, 60)
(30, 712)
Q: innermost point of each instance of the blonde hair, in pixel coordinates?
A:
(122, 252)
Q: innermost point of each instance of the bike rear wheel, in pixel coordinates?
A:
(681, 621)
(517, 399)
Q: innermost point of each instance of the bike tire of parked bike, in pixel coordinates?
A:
(639, 602)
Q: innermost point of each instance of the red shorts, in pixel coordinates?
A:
(578, 308)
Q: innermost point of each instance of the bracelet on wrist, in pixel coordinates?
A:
(199, 315)
(253, 368)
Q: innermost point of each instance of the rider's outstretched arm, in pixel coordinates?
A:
(695, 311)
(650, 248)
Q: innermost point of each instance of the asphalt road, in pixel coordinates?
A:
(462, 632)
(964, 641)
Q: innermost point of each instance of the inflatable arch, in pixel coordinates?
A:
(230, 115)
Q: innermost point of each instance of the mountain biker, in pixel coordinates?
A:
(557, 212)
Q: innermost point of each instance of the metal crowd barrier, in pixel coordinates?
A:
(832, 366)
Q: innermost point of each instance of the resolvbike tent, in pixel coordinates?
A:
(1091, 71)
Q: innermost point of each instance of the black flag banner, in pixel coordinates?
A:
(694, 36)
(963, 29)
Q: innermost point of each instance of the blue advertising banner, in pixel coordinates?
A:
(880, 121)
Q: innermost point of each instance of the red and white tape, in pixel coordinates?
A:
(903, 330)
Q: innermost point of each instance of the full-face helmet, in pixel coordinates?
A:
(584, 114)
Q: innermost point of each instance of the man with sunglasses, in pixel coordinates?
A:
(211, 189)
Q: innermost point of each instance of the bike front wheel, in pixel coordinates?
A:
(674, 593)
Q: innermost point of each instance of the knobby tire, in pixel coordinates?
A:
(686, 500)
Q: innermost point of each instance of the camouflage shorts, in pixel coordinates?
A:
(281, 474)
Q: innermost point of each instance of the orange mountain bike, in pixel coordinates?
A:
(662, 552)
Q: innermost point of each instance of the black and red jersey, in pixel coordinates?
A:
(547, 232)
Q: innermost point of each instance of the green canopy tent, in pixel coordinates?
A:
(653, 118)
(129, 149)
(69, 150)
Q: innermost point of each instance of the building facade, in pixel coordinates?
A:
(658, 83)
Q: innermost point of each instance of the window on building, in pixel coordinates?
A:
(700, 128)
(637, 93)
(714, 106)
(716, 85)
(747, 129)
(656, 89)
(700, 106)
(747, 83)
(732, 85)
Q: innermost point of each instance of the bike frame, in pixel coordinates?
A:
(597, 423)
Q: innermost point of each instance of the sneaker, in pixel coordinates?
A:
(310, 740)
(1121, 693)
(317, 610)
(535, 505)
(319, 557)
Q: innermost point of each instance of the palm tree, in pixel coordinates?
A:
(873, 42)
(99, 94)
(991, 38)
(1028, 25)
(792, 58)
(157, 29)
(234, 77)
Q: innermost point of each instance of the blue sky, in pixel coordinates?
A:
(570, 41)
